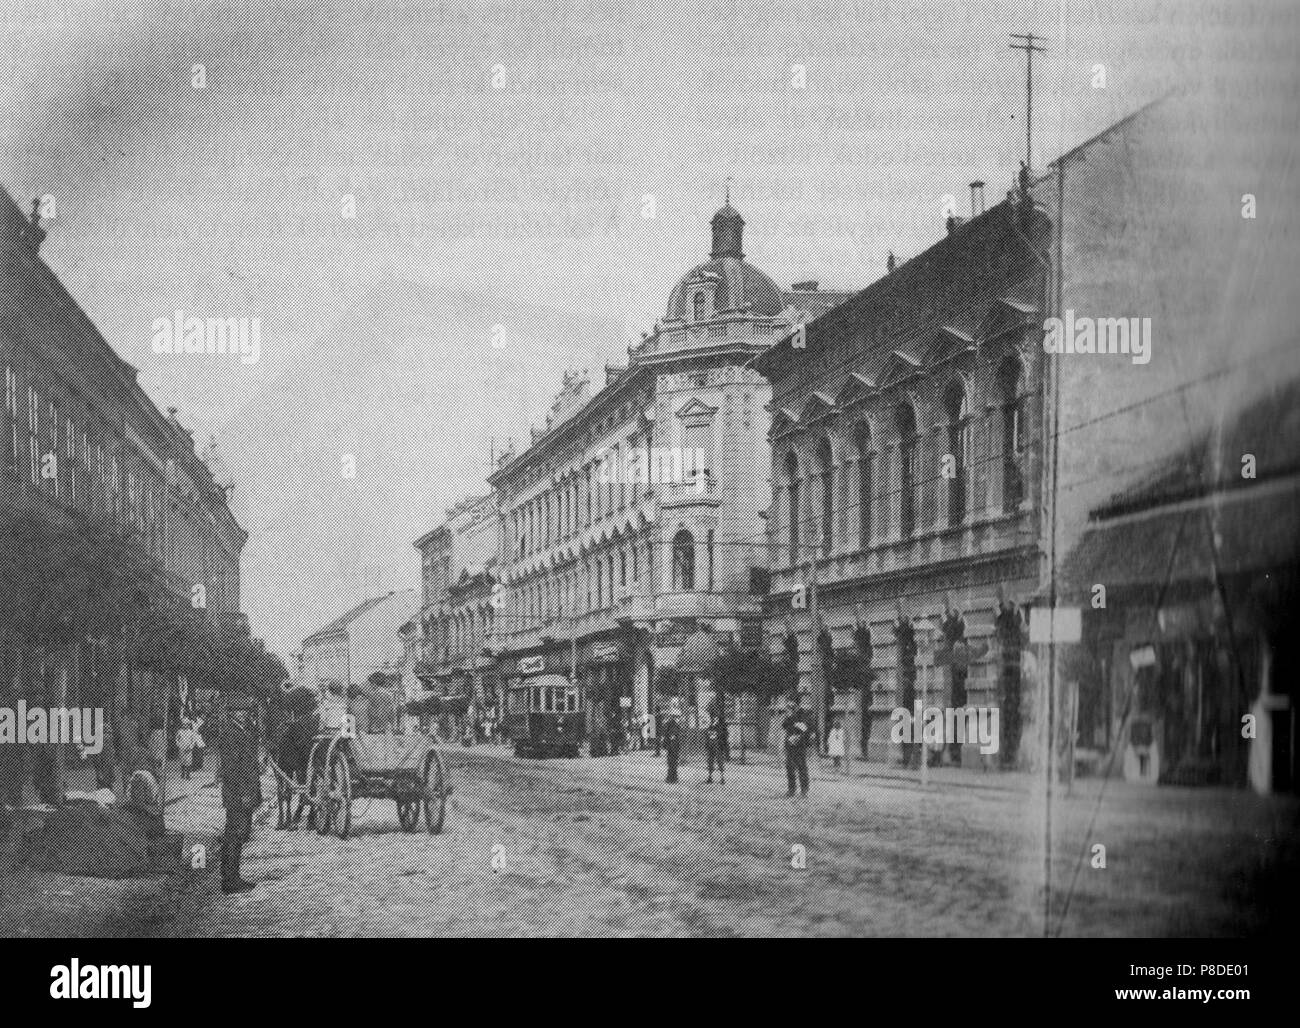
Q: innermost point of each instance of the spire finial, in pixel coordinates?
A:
(727, 188)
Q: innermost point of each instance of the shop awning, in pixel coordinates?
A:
(1257, 531)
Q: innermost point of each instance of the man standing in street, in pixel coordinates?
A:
(797, 728)
(672, 740)
(715, 742)
(241, 786)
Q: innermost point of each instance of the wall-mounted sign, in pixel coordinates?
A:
(1062, 625)
(532, 665)
(604, 651)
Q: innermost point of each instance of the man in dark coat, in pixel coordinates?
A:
(672, 739)
(798, 729)
(241, 785)
(715, 742)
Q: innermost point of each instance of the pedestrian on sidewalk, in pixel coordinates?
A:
(797, 728)
(835, 743)
(672, 739)
(185, 739)
(715, 742)
(241, 786)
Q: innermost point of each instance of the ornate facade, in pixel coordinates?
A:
(906, 470)
(636, 515)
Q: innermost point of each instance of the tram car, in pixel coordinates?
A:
(544, 716)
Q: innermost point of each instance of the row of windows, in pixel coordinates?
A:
(597, 584)
(955, 474)
(577, 502)
(88, 469)
(49, 444)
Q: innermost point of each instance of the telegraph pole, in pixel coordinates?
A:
(1028, 43)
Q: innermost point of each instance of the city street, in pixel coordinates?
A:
(605, 847)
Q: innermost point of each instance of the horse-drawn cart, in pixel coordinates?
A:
(344, 765)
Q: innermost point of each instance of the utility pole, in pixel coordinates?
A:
(1028, 43)
(818, 672)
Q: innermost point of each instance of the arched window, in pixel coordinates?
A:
(792, 485)
(866, 478)
(684, 561)
(1013, 428)
(600, 583)
(699, 306)
(826, 468)
(905, 423)
(954, 407)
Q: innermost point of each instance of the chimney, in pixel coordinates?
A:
(891, 262)
(976, 198)
(33, 231)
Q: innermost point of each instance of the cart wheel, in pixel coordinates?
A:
(408, 814)
(435, 793)
(340, 793)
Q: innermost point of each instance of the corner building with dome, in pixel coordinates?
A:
(630, 582)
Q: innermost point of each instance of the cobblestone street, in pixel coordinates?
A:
(604, 846)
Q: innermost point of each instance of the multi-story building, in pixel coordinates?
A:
(1062, 401)
(636, 515)
(1178, 371)
(84, 454)
(907, 470)
(457, 611)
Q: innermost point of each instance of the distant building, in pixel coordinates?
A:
(362, 642)
(459, 560)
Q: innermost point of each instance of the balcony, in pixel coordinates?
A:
(697, 492)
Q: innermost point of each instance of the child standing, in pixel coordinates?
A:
(835, 743)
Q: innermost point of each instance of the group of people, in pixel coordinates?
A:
(798, 731)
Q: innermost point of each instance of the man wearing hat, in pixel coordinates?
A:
(798, 729)
(672, 738)
(241, 785)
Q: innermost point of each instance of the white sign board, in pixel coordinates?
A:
(1143, 656)
(1062, 625)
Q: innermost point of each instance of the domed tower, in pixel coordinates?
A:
(728, 233)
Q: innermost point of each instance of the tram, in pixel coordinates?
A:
(544, 716)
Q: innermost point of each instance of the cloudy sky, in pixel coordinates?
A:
(842, 124)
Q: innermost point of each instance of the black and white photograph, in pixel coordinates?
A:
(620, 469)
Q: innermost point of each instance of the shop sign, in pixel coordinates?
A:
(604, 652)
(532, 665)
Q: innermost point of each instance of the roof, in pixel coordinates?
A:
(1201, 517)
(1267, 427)
(737, 285)
(341, 624)
(961, 288)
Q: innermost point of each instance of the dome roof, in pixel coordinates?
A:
(729, 281)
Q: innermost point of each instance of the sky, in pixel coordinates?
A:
(503, 158)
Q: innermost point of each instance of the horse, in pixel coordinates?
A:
(297, 723)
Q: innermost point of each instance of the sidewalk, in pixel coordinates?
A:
(38, 904)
